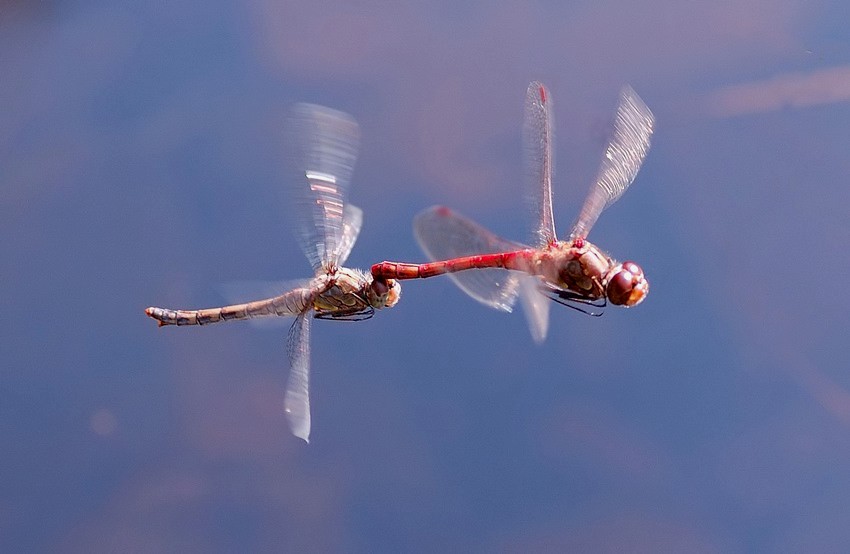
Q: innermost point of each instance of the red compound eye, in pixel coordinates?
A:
(628, 287)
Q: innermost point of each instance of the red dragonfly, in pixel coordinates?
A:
(572, 272)
(326, 227)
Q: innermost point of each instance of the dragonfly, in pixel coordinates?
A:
(326, 227)
(572, 272)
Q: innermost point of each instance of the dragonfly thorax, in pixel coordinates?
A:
(578, 268)
(351, 291)
(341, 292)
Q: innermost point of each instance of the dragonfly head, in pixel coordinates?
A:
(384, 293)
(626, 285)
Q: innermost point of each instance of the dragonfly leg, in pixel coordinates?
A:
(570, 299)
(354, 315)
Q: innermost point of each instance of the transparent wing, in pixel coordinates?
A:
(237, 292)
(623, 157)
(535, 306)
(296, 402)
(443, 234)
(324, 145)
(352, 221)
(538, 137)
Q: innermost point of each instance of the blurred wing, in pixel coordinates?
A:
(623, 157)
(296, 402)
(538, 138)
(443, 234)
(535, 306)
(238, 292)
(325, 144)
(352, 221)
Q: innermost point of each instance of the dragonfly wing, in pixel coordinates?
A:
(352, 221)
(296, 402)
(538, 140)
(535, 306)
(324, 144)
(623, 157)
(443, 234)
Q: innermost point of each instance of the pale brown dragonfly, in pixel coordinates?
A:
(326, 227)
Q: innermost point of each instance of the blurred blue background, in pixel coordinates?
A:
(140, 164)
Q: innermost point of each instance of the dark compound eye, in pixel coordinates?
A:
(628, 287)
(634, 269)
(379, 287)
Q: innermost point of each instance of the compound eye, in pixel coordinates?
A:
(628, 287)
(384, 293)
(380, 288)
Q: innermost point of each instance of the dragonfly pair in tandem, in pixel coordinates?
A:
(574, 272)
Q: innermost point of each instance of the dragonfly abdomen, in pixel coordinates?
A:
(292, 303)
(508, 260)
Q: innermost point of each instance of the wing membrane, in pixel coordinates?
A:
(324, 144)
(443, 234)
(623, 157)
(538, 139)
(535, 306)
(296, 402)
(352, 221)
